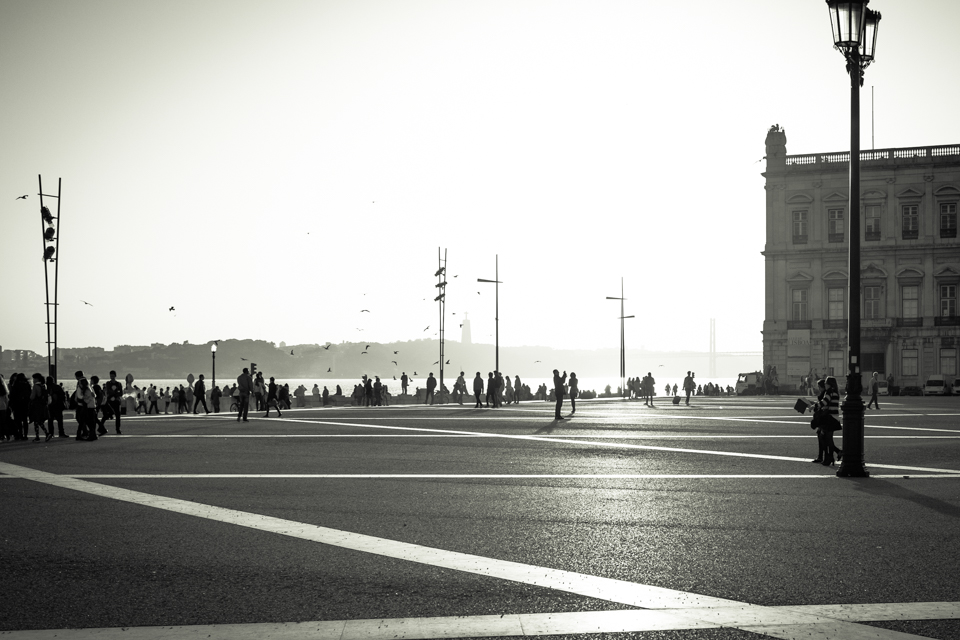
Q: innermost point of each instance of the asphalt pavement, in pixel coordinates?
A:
(707, 522)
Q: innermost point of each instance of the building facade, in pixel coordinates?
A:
(909, 270)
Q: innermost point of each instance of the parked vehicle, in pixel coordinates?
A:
(911, 391)
(748, 384)
(936, 386)
(883, 389)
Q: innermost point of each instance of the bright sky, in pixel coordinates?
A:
(272, 168)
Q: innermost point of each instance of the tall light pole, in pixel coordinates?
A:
(496, 285)
(855, 36)
(623, 347)
(50, 228)
(213, 356)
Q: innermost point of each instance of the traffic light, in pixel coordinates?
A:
(253, 368)
(49, 234)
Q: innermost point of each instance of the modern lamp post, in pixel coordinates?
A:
(496, 284)
(855, 36)
(213, 356)
(623, 349)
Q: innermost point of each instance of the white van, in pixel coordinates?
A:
(935, 386)
(883, 389)
(748, 384)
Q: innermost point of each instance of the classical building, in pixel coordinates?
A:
(909, 270)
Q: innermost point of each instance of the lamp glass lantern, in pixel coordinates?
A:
(871, 24)
(213, 347)
(847, 19)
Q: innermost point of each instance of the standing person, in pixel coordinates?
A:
(326, 396)
(509, 389)
(182, 401)
(175, 399)
(574, 392)
(5, 430)
(259, 388)
(315, 392)
(649, 386)
(167, 398)
(478, 390)
(517, 388)
(825, 412)
(200, 395)
(86, 410)
(272, 398)
(38, 408)
(462, 387)
(404, 381)
(688, 386)
(215, 395)
(491, 387)
(558, 382)
(55, 407)
(874, 390)
(283, 396)
(99, 416)
(113, 391)
(367, 391)
(377, 392)
(431, 385)
(498, 396)
(245, 387)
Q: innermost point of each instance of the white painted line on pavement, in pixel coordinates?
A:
(621, 445)
(646, 436)
(530, 624)
(487, 476)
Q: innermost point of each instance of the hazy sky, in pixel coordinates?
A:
(272, 168)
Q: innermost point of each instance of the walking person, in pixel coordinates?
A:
(874, 390)
(215, 395)
(5, 430)
(491, 388)
(478, 390)
(38, 408)
(558, 382)
(461, 387)
(431, 386)
(99, 415)
(245, 388)
(200, 395)
(517, 388)
(574, 392)
(649, 387)
(86, 411)
(55, 407)
(688, 386)
(272, 398)
(152, 398)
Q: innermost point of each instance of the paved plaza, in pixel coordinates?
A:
(672, 522)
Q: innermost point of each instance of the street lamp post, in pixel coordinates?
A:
(623, 348)
(213, 356)
(496, 287)
(855, 36)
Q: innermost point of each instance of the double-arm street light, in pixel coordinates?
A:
(855, 36)
(496, 284)
(623, 349)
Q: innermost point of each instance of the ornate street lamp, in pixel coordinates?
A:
(623, 347)
(213, 356)
(855, 36)
(496, 315)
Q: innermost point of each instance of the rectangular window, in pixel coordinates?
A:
(835, 225)
(948, 362)
(911, 221)
(948, 219)
(800, 227)
(835, 303)
(908, 362)
(835, 363)
(910, 301)
(871, 229)
(800, 304)
(871, 303)
(948, 300)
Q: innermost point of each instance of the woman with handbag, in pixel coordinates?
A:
(38, 408)
(825, 412)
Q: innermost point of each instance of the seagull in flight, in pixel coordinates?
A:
(447, 362)
(21, 197)
(329, 370)
(395, 352)
(171, 309)
(437, 362)
(83, 301)
(291, 351)
(363, 353)
(364, 310)
(536, 361)
(427, 329)
(244, 359)
(368, 346)
(327, 346)
(394, 362)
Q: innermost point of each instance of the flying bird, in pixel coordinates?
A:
(364, 310)
(171, 309)
(478, 293)
(329, 370)
(394, 362)
(427, 329)
(395, 352)
(536, 361)
(21, 197)
(437, 362)
(368, 346)
(244, 359)
(363, 353)
(291, 351)
(414, 373)
(83, 301)
(327, 346)
(447, 362)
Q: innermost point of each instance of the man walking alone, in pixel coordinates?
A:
(245, 387)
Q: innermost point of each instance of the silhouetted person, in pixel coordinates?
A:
(113, 391)
(574, 392)
(478, 390)
(688, 386)
(431, 385)
(874, 390)
(558, 382)
(245, 387)
(404, 381)
(199, 395)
